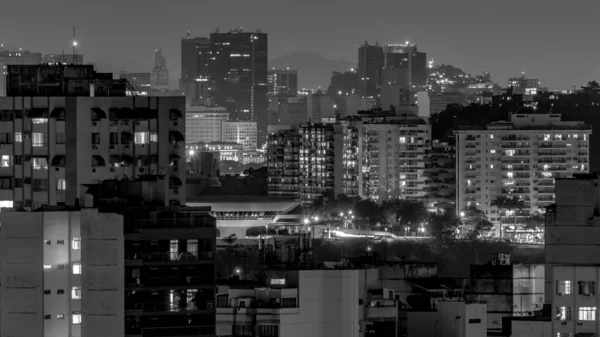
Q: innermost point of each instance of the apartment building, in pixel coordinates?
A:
(377, 157)
(309, 303)
(440, 176)
(203, 124)
(51, 143)
(572, 248)
(519, 158)
(62, 272)
(283, 164)
(239, 132)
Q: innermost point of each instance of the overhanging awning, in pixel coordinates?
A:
(174, 159)
(175, 114)
(58, 113)
(113, 114)
(175, 182)
(146, 113)
(58, 161)
(175, 137)
(97, 160)
(126, 113)
(98, 114)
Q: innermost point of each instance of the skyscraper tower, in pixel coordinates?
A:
(238, 74)
(195, 57)
(160, 72)
(370, 62)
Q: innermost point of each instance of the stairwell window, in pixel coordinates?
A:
(76, 293)
(39, 139)
(76, 268)
(563, 287)
(141, 138)
(18, 137)
(587, 314)
(564, 313)
(76, 319)
(76, 243)
(587, 288)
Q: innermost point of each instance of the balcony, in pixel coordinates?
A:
(381, 309)
(171, 257)
(173, 223)
(132, 308)
(172, 281)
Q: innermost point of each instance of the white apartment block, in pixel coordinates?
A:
(240, 132)
(62, 274)
(518, 158)
(203, 124)
(50, 146)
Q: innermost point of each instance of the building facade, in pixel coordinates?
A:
(160, 72)
(195, 57)
(50, 146)
(521, 158)
(319, 106)
(244, 133)
(282, 82)
(283, 164)
(203, 124)
(440, 176)
(62, 272)
(8, 58)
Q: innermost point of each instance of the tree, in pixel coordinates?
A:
(592, 87)
(444, 226)
(535, 222)
(367, 208)
(475, 223)
(413, 215)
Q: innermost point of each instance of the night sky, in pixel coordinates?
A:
(556, 41)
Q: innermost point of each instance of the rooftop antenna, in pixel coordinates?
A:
(74, 47)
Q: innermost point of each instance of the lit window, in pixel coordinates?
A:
(76, 293)
(141, 138)
(18, 137)
(76, 268)
(47, 266)
(39, 120)
(5, 160)
(61, 184)
(40, 163)
(492, 151)
(38, 139)
(153, 137)
(587, 288)
(563, 287)
(60, 316)
(587, 314)
(564, 313)
(76, 318)
(76, 244)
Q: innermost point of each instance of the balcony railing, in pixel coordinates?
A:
(161, 257)
(172, 281)
(166, 307)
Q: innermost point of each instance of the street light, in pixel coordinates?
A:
(306, 221)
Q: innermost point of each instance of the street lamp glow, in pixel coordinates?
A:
(316, 218)
(462, 214)
(191, 152)
(350, 212)
(237, 271)
(74, 43)
(306, 221)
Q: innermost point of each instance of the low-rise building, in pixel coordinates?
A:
(451, 319)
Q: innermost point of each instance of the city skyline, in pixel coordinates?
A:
(477, 42)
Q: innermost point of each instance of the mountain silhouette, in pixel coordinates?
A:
(314, 70)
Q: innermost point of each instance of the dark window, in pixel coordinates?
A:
(474, 320)
(47, 292)
(5, 183)
(40, 184)
(6, 138)
(268, 331)
(114, 138)
(47, 316)
(95, 138)
(60, 138)
(60, 242)
(18, 160)
(60, 292)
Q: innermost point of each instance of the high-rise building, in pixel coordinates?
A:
(406, 56)
(440, 175)
(572, 246)
(8, 58)
(203, 124)
(282, 82)
(238, 71)
(524, 86)
(370, 62)
(141, 80)
(63, 270)
(160, 72)
(195, 57)
(240, 132)
(521, 158)
(319, 106)
(283, 163)
(63, 58)
(82, 132)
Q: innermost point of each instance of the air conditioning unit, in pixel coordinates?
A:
(563, 323)
(1, 146)
(494, 262)
(141, 170)
(112, 147)
(137, 122)
(579, 323)
(176, 191)
(94, 123)
(94, 147)
(114, 123)
(175, 124)
(175, 169)
(242, 304)
(559, 294)
(127, 146)
(112, 169)
(209, 305)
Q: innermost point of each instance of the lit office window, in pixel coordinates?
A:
(76, 268)
(61, 184)
(587, 314)
(141, 138)
(76, 243)
(38, 139)
(76, 293)
(76, 318)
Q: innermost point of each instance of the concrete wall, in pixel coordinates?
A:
(531, 328)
